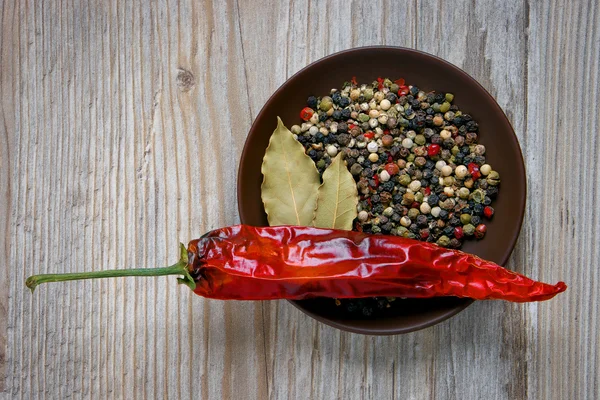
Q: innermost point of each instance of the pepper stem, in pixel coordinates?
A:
(180, 268)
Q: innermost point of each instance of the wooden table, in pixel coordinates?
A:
(112, 112)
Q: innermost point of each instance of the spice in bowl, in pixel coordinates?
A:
(414, 155)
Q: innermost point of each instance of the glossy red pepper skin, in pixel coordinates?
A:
(287, 262)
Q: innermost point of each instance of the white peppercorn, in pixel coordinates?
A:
(384, 176)
(446, 170)
(332, 150)
(363, 216)
(485, 169)
(414, 185)
(461, 171)
(407, 143)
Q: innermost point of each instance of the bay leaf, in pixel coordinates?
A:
(337, 197)
(290, 180)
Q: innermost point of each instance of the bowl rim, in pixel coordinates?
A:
(519, 203)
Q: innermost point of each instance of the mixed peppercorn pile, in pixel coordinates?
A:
(419, 170)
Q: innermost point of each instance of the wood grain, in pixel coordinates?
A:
(122, 124)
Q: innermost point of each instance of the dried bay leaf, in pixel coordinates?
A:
(337, 197)
(290, 180)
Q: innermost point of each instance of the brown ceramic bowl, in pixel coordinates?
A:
(426, 72)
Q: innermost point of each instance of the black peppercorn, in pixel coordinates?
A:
(312, 102)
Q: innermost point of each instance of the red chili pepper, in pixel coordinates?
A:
(403, 91)
(399, 82)
(288, 262)
(354, 81)
(427, 191)
(380, 83)
(306, 113)
(369, 135)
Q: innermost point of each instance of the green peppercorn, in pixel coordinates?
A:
(413, 213)
(445, 107)
(321, 164)
(449, 97)
(387, 82)
(376, 229)
(455, 150)
(468, 230)
(449, 181)
(394, 88)
(463, 193)
(368, 94)
(363, 117)
(410, 158)
(436, 107)
(477, 196)
(465, 218)
(443, 241)
(404, 180)
(402, 230)
(388, 212)
(420, 140)
(493, 178)
(420, 161)
(419, 197)
(403, 122)
(326, 103)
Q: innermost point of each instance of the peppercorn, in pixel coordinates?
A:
(443, 214)
(443, 241)
(454, 221)
(493, 178)
(468, 229)
(413, 213)
(477, 209)
(458, 232)
(343, 139)
(488, 212)
(465, 218)
(480, 231)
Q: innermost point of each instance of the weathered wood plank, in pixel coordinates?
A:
(121, 104)
(563, 74)
(108, 113)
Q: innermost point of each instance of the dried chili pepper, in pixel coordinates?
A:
(286, 262)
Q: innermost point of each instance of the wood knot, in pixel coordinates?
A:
(185, 80)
